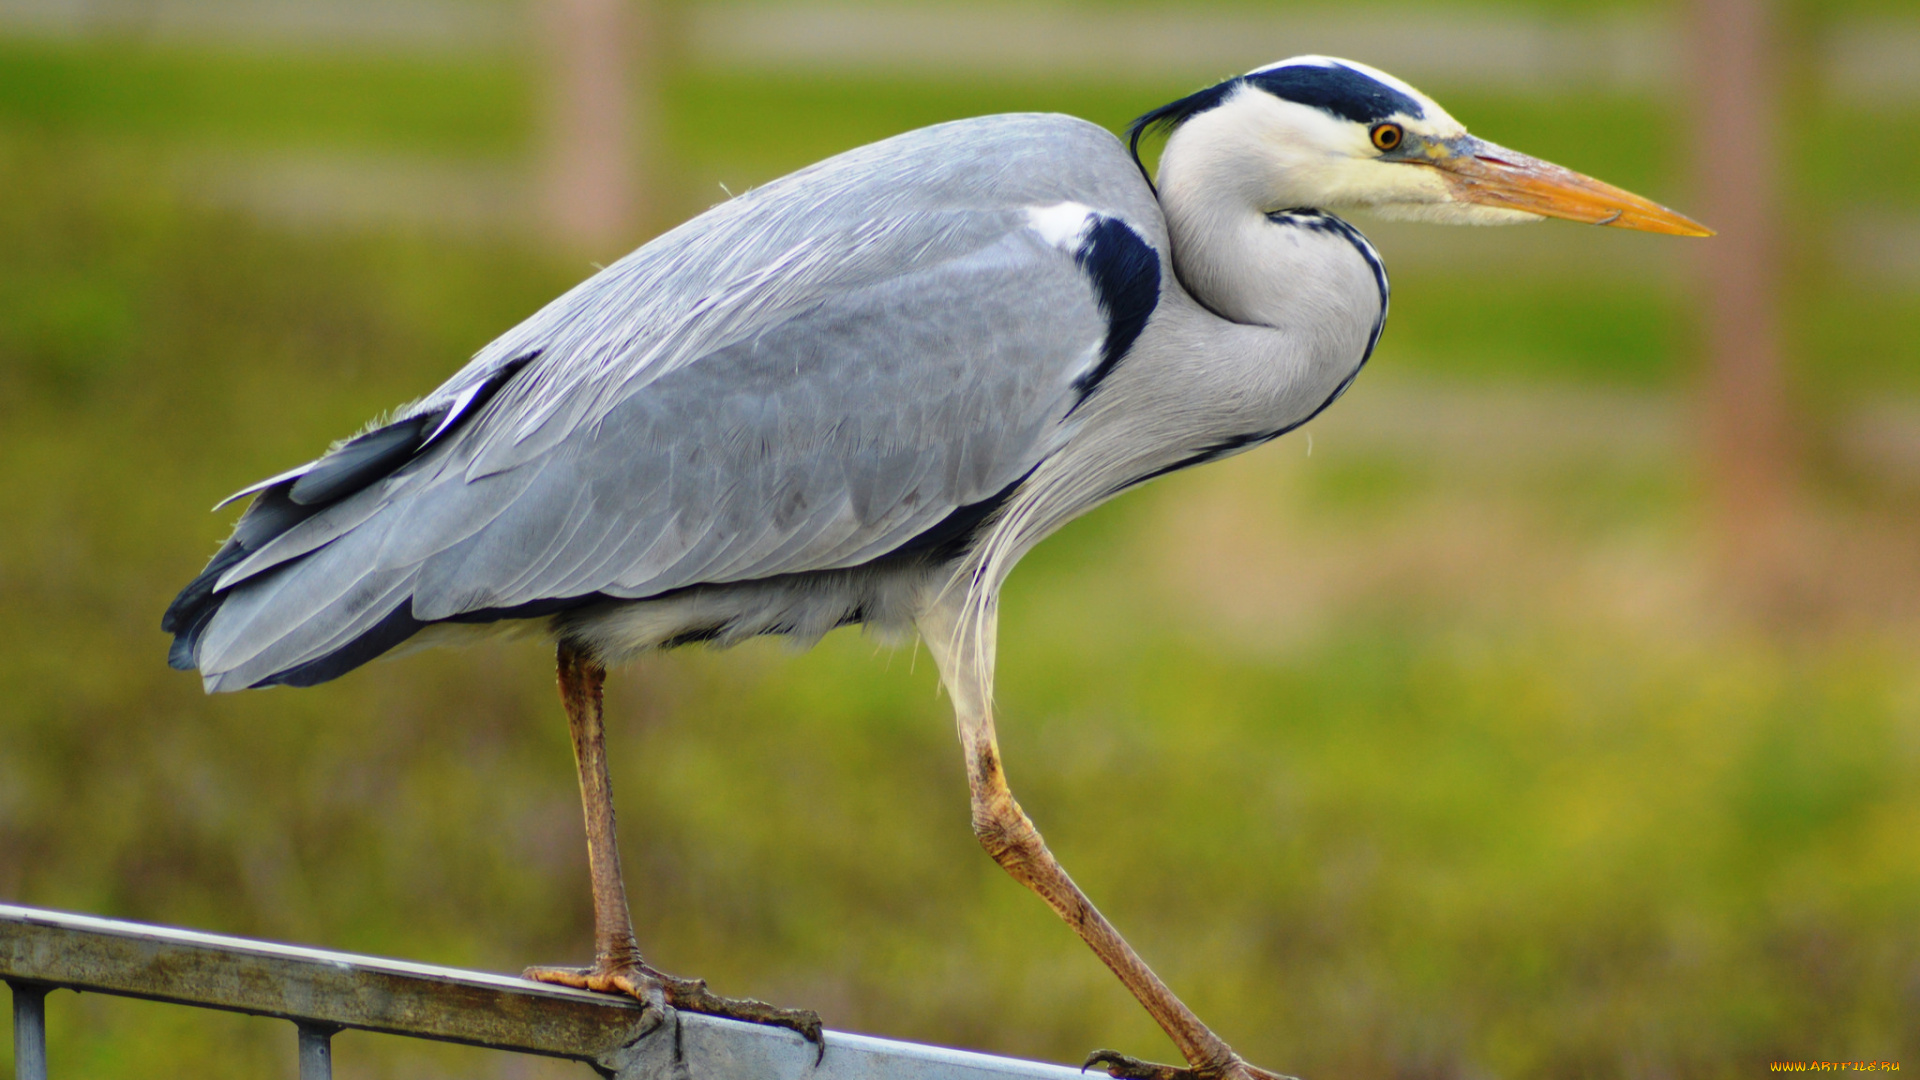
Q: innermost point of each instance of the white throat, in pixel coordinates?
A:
(1219, 181)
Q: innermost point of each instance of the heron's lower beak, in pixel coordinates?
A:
(1496, 176)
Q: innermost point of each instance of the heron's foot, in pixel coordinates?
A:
(657, 988)
(1121, 1067)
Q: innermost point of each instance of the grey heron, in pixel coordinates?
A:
(858, 395)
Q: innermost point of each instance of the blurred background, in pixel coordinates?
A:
(1549, 708)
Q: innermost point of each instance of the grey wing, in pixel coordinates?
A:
(826, 440)
(818, 443)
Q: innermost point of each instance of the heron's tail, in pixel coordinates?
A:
(258, 614)
(299, 594)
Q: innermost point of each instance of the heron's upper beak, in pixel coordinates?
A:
(1491, 175)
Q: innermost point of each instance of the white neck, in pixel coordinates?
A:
(1218, 183)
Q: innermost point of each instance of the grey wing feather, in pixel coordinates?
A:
(746, 464)
(803, 379)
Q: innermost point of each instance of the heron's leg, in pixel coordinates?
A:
(581, 683)
(617, 964)
(964, 652)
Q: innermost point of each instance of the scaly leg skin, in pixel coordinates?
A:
(963, 647)
(617, 965)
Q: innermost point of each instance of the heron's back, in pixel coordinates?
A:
(845, 369)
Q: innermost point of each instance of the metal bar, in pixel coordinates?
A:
(323, 992)
(312, 985)
(707, 1048)
(316, 1051)
(29, 1030)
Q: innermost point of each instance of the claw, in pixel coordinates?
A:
(693, 996)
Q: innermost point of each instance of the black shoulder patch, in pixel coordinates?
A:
(1126, 274)
(1337, 89)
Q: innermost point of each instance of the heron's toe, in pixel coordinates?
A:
(693, 996)
(1122, 1067)
(658, 989)
(575, 977)
(631, 980)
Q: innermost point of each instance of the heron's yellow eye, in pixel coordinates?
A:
(1387, 136)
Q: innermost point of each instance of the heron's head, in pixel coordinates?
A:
(1338, 135)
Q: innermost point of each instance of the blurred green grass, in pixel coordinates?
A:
(136, 91)
(1372, 753)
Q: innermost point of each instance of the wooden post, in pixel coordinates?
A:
(596, 127)
(1734, 123)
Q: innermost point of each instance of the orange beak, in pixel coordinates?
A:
(1490, 175)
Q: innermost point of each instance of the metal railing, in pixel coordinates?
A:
(325, 992)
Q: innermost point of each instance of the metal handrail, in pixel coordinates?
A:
(324, 992)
